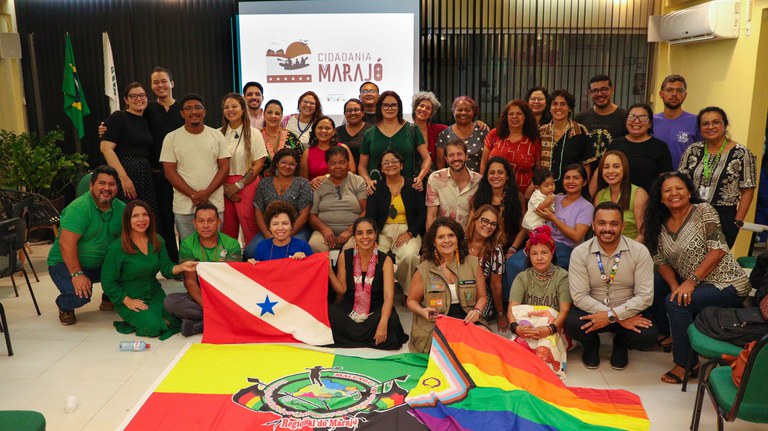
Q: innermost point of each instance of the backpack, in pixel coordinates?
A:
(758, 278)
(737, 326)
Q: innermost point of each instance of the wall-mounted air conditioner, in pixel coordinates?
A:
(713, 20)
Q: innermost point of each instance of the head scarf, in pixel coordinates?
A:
(540, 235)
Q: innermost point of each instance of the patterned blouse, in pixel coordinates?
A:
(523, 156)
(733, 171)
(298, 194)
(685, 249)
(494, 265)
(474, 144)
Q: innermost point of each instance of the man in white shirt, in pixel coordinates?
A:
(195, 160)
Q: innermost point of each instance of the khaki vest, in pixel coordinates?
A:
(437, 295)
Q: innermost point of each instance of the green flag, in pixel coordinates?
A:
(75, 105)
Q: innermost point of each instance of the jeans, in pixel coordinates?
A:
(516, 264)
(643, 340)
(250, 249)
(680, 317)
(185, 224)
(658, 310)
(68, 300)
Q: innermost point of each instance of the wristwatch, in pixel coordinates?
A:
(611, 316)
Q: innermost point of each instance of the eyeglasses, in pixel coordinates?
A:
(485, 222)
(599, 90)
(671, 90)
(389, 106)
(369, 91)
(140, 96)
(716, 124)
(631, 118)
(353, 111)
(196, 108)
(308, 103)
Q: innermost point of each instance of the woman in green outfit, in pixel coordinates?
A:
(392, 132)
(614, 185)
(129, 274)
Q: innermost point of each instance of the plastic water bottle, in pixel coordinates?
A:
(133, 346)
(71, 404)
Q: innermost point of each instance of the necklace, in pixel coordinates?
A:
(608, 279)
(304, 130)
(562, 146)
(215, 249)
(266, 132)
(707, 170)
(544, 275)
(287, 246)
(281, 187)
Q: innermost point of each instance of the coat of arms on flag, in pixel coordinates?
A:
(275, 387)
(276, 301)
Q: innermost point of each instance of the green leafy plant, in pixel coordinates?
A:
(37, 164)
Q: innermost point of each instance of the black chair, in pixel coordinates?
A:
(42, 213)
(22, 210)
(13, 232)
(4, 329)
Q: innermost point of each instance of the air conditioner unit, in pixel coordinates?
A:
(713, 20)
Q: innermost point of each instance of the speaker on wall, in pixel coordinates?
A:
(10, 45)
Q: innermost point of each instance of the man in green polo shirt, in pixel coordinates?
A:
(207, 244)
(88, 226)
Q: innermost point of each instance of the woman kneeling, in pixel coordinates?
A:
(365, 316)
(129, 275)
(447, 282)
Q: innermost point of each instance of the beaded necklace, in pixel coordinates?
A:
(608, 279)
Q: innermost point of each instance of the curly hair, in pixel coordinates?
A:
(511, 208)
(496, 239)
(656, 213)
(429, 251)
(275, 208)
(530, 128)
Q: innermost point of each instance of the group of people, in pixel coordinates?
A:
(548, 224)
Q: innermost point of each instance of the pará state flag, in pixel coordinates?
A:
(75, 105)
(278, 301)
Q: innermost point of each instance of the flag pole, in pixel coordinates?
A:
(36, 85)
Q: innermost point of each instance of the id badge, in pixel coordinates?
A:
(704, 192)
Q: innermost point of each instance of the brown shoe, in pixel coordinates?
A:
(67, 318)
(106, 305)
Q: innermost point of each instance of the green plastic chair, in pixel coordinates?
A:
(83, 185)
(22, 420)
(707, 347)
(748, 401)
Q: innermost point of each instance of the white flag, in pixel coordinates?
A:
(110, 78)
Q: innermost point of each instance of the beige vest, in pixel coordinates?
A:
(437, 295)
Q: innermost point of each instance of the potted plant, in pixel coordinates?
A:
(37, 164)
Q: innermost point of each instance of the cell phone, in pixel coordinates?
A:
(433, 314)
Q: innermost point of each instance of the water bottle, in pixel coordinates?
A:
(133, 346)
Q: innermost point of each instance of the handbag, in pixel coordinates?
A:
(739, 363)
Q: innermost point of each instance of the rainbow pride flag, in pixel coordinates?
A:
(476, 381)
(277, 387)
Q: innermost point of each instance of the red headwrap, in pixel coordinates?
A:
(540, 235)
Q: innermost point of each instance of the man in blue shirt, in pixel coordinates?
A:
(677, 128)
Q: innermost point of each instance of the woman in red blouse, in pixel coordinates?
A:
(516, 139)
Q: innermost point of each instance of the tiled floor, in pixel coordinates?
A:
(52, 362)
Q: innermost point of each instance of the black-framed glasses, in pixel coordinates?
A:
(599, 90)
(485, 222)
(389, 106)
(369, 91)
(353, 110)
(141, 96)
(641, 118)
(196, 108)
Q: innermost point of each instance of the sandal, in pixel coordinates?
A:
(671, 378)
(674, 379)
(665, 344)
